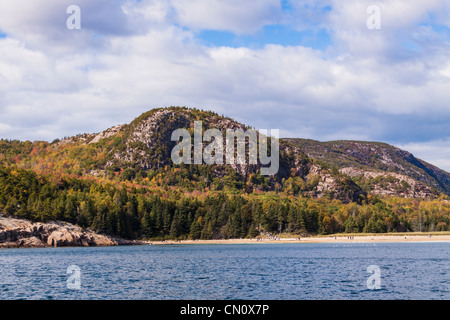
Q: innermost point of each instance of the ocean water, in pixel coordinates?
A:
(228, 272)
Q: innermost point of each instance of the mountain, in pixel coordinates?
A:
(375, 163)
(343, 170)
(123, 182)
(142, 149)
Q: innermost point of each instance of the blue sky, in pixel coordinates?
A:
(285, 31)
(275, 34)
(312, 69)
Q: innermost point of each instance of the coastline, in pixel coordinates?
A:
(321, 239)
(17, 233)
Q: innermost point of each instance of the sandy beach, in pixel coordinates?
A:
(323, 239)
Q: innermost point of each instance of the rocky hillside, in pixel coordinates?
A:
(378, 167)
(144, 146)
(141, 152)
(123, 183)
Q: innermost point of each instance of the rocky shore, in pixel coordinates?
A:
(17, 233)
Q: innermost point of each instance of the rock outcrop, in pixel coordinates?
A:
(391, 184)
(15, 233)
(339, 187)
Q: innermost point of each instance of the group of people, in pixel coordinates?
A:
(269, 238)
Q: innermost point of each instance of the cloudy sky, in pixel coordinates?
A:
(313, 69)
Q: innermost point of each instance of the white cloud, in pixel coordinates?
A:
(41, 24)
(131, 56)
(400, 31)
(237, 16)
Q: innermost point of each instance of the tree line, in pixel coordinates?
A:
(156, 213)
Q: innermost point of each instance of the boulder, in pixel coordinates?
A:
(31, 242)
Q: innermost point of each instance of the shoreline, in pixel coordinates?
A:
(322, 239)
(20, 233)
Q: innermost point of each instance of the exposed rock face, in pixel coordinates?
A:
(328, 184)
(16, 233)
(147, 143)
(389, 183)
(106, 134)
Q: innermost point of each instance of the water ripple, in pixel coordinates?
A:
(269, 272)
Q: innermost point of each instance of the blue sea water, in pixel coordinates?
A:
(229, 272)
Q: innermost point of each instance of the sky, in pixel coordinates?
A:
(323, 70)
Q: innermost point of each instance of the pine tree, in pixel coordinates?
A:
(196, 230)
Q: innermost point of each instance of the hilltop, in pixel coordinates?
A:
(344, 170)
(142, 150)
(122, 182)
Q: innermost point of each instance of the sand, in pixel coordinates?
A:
(322, 239)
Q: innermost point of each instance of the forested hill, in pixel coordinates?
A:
(140, 152)
(133, 211)
(374, 157)
(123, 182)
